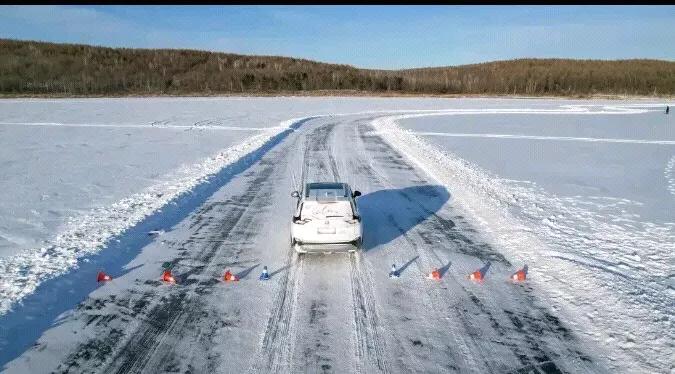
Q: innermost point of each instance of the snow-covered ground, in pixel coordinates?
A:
(582, 191)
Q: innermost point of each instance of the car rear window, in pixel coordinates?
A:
(325, 190)
(323, 210)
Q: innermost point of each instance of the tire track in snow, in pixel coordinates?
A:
(172, 315)
(151, 340)
(276, 347)
(370, 347)
(278, 339)
(466, 348)
(514, 328)
(317, 337)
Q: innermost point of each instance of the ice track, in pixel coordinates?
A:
(318, 313)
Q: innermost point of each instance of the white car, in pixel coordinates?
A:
(326, 219)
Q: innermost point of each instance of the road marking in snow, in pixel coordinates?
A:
(148, 126)
(537, 137)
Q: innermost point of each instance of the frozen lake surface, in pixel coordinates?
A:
(570, 155)
(582, 191)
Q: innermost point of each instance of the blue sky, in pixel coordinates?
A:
(388, 37)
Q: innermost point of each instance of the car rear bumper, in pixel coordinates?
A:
(352, 246)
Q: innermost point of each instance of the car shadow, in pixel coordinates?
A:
(390, 213)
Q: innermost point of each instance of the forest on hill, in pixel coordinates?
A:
(39, 68)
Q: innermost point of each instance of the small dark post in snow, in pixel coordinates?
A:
(667, 109)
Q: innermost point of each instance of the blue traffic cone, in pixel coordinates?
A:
(265, 275)
(393, 273)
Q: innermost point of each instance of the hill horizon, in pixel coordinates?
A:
(29, 67)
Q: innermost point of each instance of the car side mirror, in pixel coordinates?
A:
(295, 194)
(356, 194)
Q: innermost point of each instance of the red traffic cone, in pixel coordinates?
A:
(436, 275)
(167, 277)
(479, 274)
(102, 277)
(520, 275)
(229, 277)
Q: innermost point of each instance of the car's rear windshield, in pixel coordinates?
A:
(323, 210)
(326, 190)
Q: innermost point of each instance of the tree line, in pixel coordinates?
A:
(39, 68)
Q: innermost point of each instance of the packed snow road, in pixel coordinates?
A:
(318, 313)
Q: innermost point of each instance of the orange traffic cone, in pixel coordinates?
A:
(520, 275)
(102, 277)
(229, 277)
(479, 274)
(167, 277)
(436, 275)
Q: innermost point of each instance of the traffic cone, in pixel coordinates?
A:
(102, 277)
(265, 275)
(520, 275)
(229, 277)
(393, 273)
(479, 274)
(436, 275)
(167, 277)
